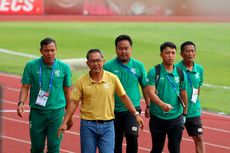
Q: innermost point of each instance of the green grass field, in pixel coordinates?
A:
(74, 39)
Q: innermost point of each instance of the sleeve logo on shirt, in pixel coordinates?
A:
(116, 71)
(197, 75)
(147, 80)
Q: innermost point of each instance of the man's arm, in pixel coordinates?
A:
(71, 108)
(22, 98)
(184, 99)
(67, 91)
(153, 96)
(147, 101)
(126, 100)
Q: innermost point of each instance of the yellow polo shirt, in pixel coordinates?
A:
(97, 98)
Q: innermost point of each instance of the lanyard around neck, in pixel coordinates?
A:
(189, 78)
(174, 88)
(51, 77)
(125, 67)
(172, 84)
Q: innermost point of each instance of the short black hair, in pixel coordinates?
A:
(47, 41)
(94, 51)
(167, 44)
(123, 37)
(185, 44)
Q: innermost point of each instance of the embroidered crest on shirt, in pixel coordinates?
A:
(106, 85)
(74, 90)
(177, 79)
(197, 75)
(133, 70)
(57, 73)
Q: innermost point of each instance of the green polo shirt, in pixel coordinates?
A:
(62, 77)
(196, 77)
(166, 92)
(130, 75)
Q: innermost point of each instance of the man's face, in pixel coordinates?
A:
(123, 51)
(48, 52)
(188, 54)
(95, 62)
(168, 55)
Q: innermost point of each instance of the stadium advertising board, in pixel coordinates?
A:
(21, 7)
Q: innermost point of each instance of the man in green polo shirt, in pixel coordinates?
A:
(131, 73)
(194, 74)
(48, 81)
(167, 97)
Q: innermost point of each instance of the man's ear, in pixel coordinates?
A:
(87, 63)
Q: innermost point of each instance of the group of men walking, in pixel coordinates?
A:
(109, 99)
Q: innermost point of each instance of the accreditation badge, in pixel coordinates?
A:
(42, 98)
(194, 95)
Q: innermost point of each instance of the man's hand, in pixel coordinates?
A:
(20, 109)
(62, 129)
(69, 124)
(140, 121)
(166, 107)
(147, 112)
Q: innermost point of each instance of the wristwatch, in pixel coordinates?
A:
(136, 113)
(20, 103)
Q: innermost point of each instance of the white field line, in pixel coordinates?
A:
(209, 144)
(80, 62)
(76, 63)
(27, 106)
(17, 53)
(10, 75)
(210, 128)
(215, 114)
(18, 90)
(215, 86)
(28, 142)
(11, 89)
(12, 111)
(141, 148)
(147, 131)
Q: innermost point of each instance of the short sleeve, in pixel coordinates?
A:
(120, 91)
(76, 93)
(151, 77)
(26, 75)
(68, 75)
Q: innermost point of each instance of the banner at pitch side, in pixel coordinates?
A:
(21, 7)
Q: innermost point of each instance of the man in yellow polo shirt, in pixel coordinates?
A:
(96, 91)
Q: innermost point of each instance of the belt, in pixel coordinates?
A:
(100, 121)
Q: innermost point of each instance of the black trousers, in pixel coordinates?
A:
(160, 128)
(126, 125)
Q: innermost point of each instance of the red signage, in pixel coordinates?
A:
(21, 7)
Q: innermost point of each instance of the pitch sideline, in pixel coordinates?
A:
(80, 63)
